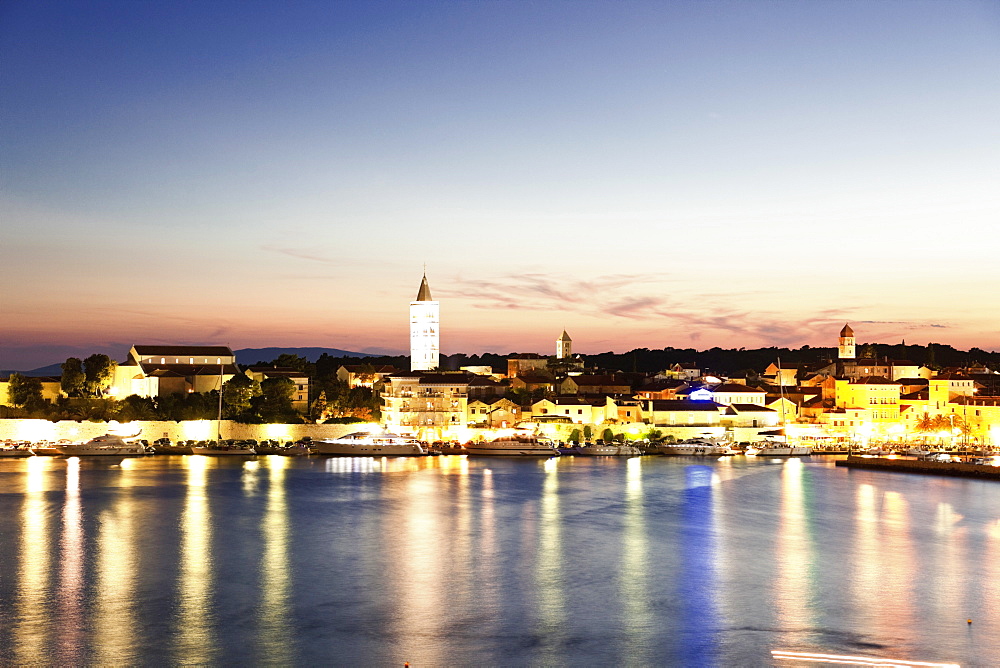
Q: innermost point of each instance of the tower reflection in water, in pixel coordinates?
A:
(194, 623)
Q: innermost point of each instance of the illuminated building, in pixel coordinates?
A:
(430, 406)
(425, 320)
(155, 371)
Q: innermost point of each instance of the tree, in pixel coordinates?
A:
(24, 391)
(73, 380)
(134, 407)
(238, 392)
(294, 361)
(607, 435)
(574, 436)
(275, 402)
(100, 371)
(319, 408)
(588, 431)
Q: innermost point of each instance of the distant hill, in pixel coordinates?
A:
(50, 370)
(250, 355)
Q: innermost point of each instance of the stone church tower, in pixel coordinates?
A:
(846, 348)
(564, 346)
(425, 320)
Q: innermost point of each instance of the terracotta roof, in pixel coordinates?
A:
(188, 369)
(752, 408)
(874, 380)
(181, 351)
(667, 405)
(951, 376)
(736, 387)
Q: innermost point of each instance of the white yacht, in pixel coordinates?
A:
(778, 449)
(215, 449)
(108, 444)
(364, 444)
(523, 445)
(697, 447)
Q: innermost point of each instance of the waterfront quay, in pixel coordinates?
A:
(960, 469)
(452, 560)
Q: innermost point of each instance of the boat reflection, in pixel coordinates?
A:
(274, 636)
(30, 636)
(794, 557)
(114, 640)
(548, 568)
(69, 596)
(634, 574)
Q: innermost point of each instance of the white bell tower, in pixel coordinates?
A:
(425, 319)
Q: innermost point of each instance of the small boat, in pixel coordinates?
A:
(364, 444)
(523, 444)
(600, 449)
(10, 449)
(215, 449)
(108, 444)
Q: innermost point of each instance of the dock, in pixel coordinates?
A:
(961, 469)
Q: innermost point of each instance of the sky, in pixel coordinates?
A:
(640, 174)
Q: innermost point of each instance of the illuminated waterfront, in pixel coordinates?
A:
(447, 560)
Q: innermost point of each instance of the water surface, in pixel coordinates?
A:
(456, 561)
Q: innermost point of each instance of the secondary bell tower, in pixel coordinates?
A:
(564, 346)
(845, 350)
(425, 320)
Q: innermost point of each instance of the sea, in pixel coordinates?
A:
(462, 561)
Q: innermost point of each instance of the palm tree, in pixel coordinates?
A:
(924, 425)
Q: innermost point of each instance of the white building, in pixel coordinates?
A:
(425, 320)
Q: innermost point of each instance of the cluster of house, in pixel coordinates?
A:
(847, 399)
(850, 398)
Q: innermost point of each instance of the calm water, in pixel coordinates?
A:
(455, 561)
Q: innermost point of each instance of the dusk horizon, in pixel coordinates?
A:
(641, 175)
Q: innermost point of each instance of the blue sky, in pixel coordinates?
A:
(642, 174)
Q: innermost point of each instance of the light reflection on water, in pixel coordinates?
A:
(274, 635)
(458, 561)
(194, 624)
(31, 635)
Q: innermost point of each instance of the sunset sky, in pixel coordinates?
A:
(642, 174)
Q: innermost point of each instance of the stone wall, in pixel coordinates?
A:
(43, 430)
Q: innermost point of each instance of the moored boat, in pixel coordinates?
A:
(516, 445)
(609, 450)
(213, 448)
(699, 447)
(108, 444)
(364, 444)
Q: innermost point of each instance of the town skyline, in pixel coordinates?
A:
(641, 175)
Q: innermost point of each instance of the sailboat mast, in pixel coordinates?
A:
(221, 369)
